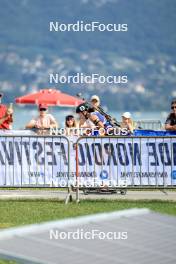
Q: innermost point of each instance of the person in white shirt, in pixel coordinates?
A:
(44, 120)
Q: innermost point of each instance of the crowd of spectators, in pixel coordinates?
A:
(89, 117)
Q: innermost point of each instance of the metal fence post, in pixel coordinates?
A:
(77, 174)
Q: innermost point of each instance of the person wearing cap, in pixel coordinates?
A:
(127, 122)
(6, 115)
(44, 120)
(95, 100)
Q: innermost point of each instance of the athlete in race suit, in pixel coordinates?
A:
(102, 119)
(93, 119)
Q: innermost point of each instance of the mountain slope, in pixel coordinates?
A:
(146, 53)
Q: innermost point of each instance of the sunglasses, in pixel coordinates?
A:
(173, 107)
(43, 109)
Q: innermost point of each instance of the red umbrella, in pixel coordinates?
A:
(50, 97)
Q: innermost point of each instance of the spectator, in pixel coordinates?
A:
(70, 121)
(70, 125)
(44, 120)
(95, 100)
(6, 115)
(127, 122)
(170, 123)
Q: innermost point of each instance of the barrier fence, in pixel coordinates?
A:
(33, 161)
(149, 124)
(117, 163)
(125, 162)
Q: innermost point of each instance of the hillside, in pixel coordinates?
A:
(146, 53)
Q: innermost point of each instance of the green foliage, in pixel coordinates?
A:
(3, 261)
(22, 212)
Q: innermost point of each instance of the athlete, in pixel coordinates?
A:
(91, 118)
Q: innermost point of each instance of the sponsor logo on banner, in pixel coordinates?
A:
(174, 174)
(104, 175)
(36, 174)
(140, 161)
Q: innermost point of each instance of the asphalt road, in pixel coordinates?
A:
(61, 195)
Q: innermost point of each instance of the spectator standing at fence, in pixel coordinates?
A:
(70, 123)
(95, 100)
(127, 122)
(44, 120)
(6, 115)
(170, 123)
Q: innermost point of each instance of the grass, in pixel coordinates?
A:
(2, 261)
(23, 212)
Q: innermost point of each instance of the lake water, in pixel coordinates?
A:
(22, 115)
